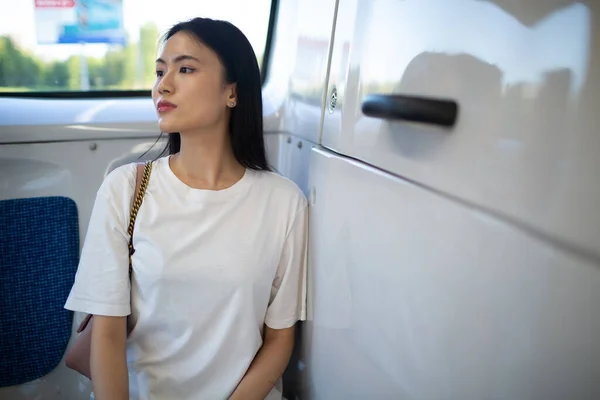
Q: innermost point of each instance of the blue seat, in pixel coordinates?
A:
(39, 253)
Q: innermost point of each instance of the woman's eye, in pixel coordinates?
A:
(186, 70)
(159, 73)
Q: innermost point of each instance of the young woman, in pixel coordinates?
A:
(219, 269)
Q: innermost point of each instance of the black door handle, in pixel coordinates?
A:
(411, 108)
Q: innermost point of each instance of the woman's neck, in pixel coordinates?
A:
(206, 161)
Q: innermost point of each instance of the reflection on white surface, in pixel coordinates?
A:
(445, 302)
(18, 112)
(299, 66)
(525, 77)
(481, 29)
(89, 114)
(27, 177)
(106, 129)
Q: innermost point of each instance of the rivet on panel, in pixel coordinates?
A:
(333, 97)
(300, 144)
(93, 146)
(289, 140)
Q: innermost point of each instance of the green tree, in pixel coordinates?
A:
(21, 69)
(114, 67)
(115, 71)
(128, 67)
(10, 63)
(56, 75)
(73, 65)
(96, 73)
(148, 47)
(31, 71)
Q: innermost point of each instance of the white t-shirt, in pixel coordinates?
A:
(209, 270)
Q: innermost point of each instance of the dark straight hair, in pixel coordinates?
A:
(241, 67)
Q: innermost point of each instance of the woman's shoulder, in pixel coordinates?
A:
(281, 189)
(119, 181)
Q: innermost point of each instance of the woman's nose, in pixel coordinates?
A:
(165, 85)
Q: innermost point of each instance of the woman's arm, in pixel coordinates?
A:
(108, 362)
(268, 365)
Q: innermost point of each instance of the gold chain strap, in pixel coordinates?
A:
(137, 203)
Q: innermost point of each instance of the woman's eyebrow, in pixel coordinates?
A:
(177, 59)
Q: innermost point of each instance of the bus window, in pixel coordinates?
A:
(103, 45)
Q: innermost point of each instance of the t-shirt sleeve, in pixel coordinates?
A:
(101, 284)
(288, 293)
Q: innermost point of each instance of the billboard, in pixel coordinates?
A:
(79, 21)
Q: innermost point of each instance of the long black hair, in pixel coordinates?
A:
(241, 67)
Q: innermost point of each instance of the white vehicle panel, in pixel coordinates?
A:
(414, 296)
(526, 77)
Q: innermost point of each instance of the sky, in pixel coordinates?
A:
(252, 17)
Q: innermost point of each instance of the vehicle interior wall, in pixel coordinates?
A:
(65, 147)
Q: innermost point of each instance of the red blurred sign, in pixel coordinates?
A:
(54, 3)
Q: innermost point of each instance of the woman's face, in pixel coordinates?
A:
(190, 92)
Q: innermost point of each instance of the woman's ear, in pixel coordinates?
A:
(232, 98)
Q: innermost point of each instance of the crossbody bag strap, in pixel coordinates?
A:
(141, 184)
